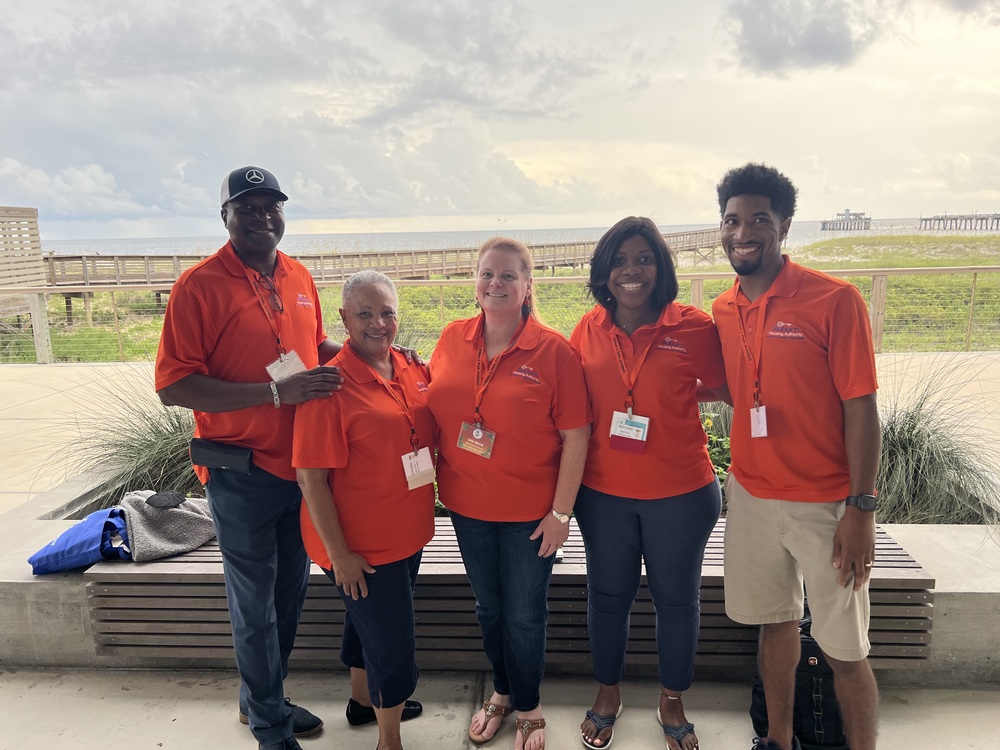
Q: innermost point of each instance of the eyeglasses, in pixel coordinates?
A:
(245, 209)
(273, 298)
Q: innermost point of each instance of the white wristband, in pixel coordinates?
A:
(274, 392)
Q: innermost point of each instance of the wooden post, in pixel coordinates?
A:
(88, 308)
(972, 309)
(697, 292)
(118, 330)
(40, 329)
(880, 288)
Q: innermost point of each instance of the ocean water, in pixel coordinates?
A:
(801, 233)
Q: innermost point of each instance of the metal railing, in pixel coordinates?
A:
(912, 309)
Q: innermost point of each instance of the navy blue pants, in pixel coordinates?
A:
(379, 631)
(511, 584)
(670, 535)
(266, 571)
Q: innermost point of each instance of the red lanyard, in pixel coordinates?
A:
(491, 367)
(401, 402)
(253, 277)
(754, 355)
(629, 377)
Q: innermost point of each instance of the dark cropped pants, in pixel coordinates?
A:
(379, 631)
(669, 534)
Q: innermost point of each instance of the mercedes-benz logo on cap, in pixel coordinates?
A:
(255, 176)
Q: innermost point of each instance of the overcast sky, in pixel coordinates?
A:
(120, 119)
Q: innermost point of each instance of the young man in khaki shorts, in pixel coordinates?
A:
(805, 443)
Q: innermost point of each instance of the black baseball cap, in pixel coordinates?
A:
(245, 179)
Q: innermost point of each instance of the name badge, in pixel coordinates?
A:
(418, 467)
(476, 439)
(629, 433)
(285, 366)
(758, 422)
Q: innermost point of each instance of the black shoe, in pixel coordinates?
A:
(358, 714)
(287, 745)
(304, 723)
(764, 743)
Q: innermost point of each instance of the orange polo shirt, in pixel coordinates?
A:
(215, 326)
(815, 353)
(360, 435)
(537, 389)
(683, 347)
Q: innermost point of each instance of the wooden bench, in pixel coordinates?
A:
(176, 609)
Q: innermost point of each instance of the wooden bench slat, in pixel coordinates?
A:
(176, 609)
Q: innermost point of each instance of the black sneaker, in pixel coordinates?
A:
(358, 714)
(304, 723)
(286, 745)
(765, 743)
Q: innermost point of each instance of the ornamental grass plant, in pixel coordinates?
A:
(133, 442)
(939, 464)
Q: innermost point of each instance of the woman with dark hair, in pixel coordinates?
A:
(649, 492)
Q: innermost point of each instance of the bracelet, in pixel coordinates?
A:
(274, 392)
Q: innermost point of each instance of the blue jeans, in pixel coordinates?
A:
(380, 634)
(511, 584)
(670, 535)
(266, 570)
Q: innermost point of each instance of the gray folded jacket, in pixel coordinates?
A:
(155, 532)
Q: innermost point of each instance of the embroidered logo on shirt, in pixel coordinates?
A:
(421, 386)
(527, 373)
(783, 330)
(672, 345)
(303, 301)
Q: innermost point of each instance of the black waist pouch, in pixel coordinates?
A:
(215, 455)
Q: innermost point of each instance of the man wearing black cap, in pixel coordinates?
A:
(242, 343)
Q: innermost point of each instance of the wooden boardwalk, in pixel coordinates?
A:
(162, 270)
(175, 609)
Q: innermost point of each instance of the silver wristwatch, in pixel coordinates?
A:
(561, 517)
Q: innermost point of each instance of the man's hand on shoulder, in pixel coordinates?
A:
(412, 355)
(854, 546)
(318, 382)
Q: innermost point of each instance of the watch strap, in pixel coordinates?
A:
(864, 502)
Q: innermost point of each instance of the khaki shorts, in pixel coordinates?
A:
(772, 547)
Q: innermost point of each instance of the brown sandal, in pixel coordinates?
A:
(491, 709)
(527, 727)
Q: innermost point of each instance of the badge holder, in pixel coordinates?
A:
(476, 439)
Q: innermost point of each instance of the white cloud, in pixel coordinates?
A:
(121, 117)
(85, 190)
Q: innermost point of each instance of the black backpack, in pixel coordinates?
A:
(816, 717)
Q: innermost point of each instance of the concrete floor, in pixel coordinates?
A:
(94, 710)
(43, 410)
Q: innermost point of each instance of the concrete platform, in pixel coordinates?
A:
(93, 710)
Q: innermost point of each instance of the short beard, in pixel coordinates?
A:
(747, 268)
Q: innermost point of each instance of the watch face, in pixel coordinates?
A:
(864, 502)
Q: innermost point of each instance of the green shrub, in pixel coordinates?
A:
(136, 442)
(936, 467)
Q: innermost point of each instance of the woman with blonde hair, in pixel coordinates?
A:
(510, 403)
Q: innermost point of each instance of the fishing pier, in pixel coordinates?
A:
(960, 221)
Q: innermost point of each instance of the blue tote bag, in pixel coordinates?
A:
(89, 541)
